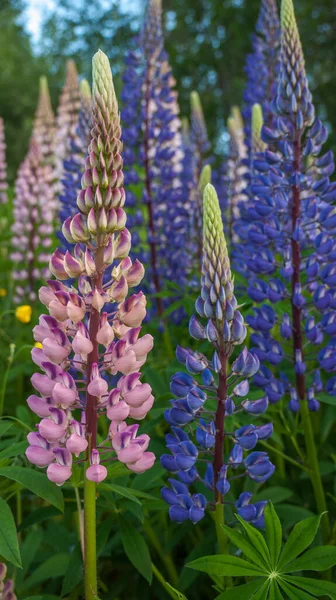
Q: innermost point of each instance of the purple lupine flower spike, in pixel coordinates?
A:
(75, 160)
(290, 214)
(262, 66)
(152, 132)
(224, 329)
(67, 117)
(3, 165)
(82, 341)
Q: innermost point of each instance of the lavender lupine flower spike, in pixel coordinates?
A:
(44, 130)
(3, 166)
(216, 379)
(79, 339)
(262, 66)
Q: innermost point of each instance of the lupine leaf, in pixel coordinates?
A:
(245, 546)
(300, 538)
(35, 482)
(122, 491)
(274, 592)
(315, 559)
(257, 540)
(9, 547)
(136, 549)
(245, 591)
(262, 594)
(34, 598)
(74, 573)
(273, 533)
(317, 587)
(55, 566)
(13, 450)
(178, 595)
(294, 593)
(225, 565)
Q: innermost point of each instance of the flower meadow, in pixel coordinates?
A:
(168, 336)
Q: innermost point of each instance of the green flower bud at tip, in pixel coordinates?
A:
(205, 178)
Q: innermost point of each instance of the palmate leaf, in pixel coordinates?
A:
(273, 533)
(35, 482)
(9, 547)
(274, 592)
(320, 558)
(294, 593)
(300, 538)
(245, 591)
(224, 565)
(257, 540)
(316, 587)
(262, 594)
(136, 549)
(246, 547)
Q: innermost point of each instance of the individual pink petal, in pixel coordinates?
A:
(143, 346)
(42, 384)
(39, 405)
(118, 412)
(58, 310)
(41, 457)
(138, 395)
(54, 351)
(141, 412)
(130, 454)
(143, 464)
(46, 295)
(63, 396)
(76, 444)
(51, 431)
(96, 473)
(38, 356)
(105, 335)
(75, 313)
(81, 344)
(58, 473)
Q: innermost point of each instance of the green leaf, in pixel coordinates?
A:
(294, 593)
(9, 547)
(274, 592)
(320, 558)
(136, 549)
(245, 591)
(34, 598)
(240, 540)
(256, 539)
(317, 587)
(13, 450)
(55, 566)
(262, 594)
(36, 516)
(74, 573)
(35, 482)
(275, 494)
(300, 538)
(327, 399)
(273, 533)
(225, 565)
(5, 426)
(178, 595)
(122, 491)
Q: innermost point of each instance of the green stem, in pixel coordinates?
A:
(165, 556)
(315, 474)
(218, 516)
(90, 542)
(285, 457)
(80, 520)
(5, 378)
(163, 582)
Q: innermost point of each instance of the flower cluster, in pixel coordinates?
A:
(262, 66)
(67, 118)
(6, 588)
(74, 164)
(152, 133)
(290, 249)
(3, 166)
(82, 342)
(235, 177)
(35, 204)
(213, 392)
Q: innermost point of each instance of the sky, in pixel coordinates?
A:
(37, 10)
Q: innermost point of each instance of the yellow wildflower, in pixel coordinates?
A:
(38, 345)
(23, 313)
(3, 292)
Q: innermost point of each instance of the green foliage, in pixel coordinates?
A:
(9, 547)
(269, 566)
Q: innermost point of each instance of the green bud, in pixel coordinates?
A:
(205, 178)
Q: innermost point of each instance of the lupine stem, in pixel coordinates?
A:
(219, 521)
(219, 450)
(90, 544)
(311, 450)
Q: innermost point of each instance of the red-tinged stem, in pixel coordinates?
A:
(148, 185)
(311, 450)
